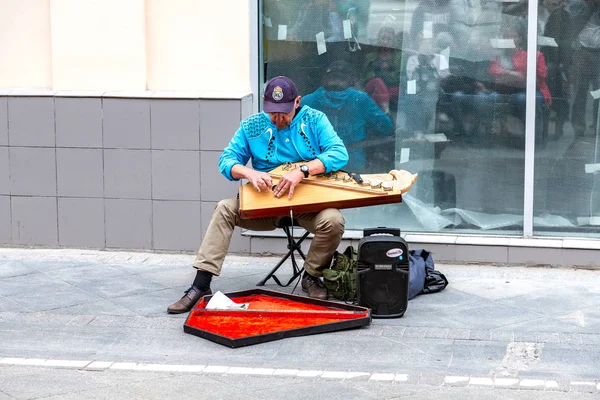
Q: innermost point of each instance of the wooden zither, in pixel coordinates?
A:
(334, 190)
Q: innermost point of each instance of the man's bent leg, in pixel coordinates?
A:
(213, 249)
(217, 239)
(328, 228)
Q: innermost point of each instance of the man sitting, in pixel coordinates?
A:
(284, 132)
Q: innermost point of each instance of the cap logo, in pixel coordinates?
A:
(277, 93)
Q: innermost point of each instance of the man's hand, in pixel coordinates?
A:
(288, 182)
(260, 180)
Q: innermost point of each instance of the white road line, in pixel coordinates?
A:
(455, 379)
(481, 381)
(505, 382)
(536, 384)
(382, 377)
(530, 383)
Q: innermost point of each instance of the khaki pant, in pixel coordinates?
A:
(327, 227)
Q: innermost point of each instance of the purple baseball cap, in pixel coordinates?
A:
(280, 94)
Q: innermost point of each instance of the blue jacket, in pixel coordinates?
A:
(353, 113)
(309, 136)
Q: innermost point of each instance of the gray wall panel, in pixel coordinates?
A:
(31, 121)
(175, 124)
(4, 171)
(3, 121)
(34, 221)
(127, 174)
(214, 186)
(239, 243)
(246, 107)
(128, 223)
(80, 172)
(5, 220)
(175, 175)
(112, 172)
(176, 225)
(78, 122)
(32, 171)
(219, 119)
(126, 123)
(81, 222)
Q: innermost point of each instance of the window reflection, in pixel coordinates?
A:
(567, 191)
(437, 87)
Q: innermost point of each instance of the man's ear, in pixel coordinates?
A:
(298, 101)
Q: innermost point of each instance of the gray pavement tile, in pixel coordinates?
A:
(75, 384)
(53, 296)
(84, 273)
(583, 387)
(443, 300)
(170, 278)
(132, 385)
(137, 269)
(46, 320)
(502, 336)
(431, 379)
(149, 303)
(570, 338)
(111, 288)
(485, 316)
(426, 319)
(43, 265)
(371, 330)
(6, 316)
(415, 332)
(569, 360)
(310, 388)
(555, 302)
(141, 345)
(588, 319)
(7, 304)
(476, 358)
(542, 324)
(10, 268)
(394, 332)
(22, 283)
(497, 288)
(99, 308)
(138, 322)
(549, 337)
(385, 354)
(29, 383)
(592, 338)
(454, 333)
(525, 336)
(71, 343)
(437, 333)
(480, 334)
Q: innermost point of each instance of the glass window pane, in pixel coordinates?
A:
(567, 190)
(435, 87)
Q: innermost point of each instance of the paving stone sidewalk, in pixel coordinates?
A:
(524, 327)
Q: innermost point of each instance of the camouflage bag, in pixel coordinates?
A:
(340, 278)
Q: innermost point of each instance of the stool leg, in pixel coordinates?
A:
(296, 269)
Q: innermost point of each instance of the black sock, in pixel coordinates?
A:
(202, 280)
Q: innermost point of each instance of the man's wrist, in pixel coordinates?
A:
(305, 170)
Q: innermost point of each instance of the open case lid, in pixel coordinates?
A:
(271, 316)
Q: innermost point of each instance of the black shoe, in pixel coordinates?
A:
(314, 287)
(188, 301)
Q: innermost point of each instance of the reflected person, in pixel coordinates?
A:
(353, 114)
